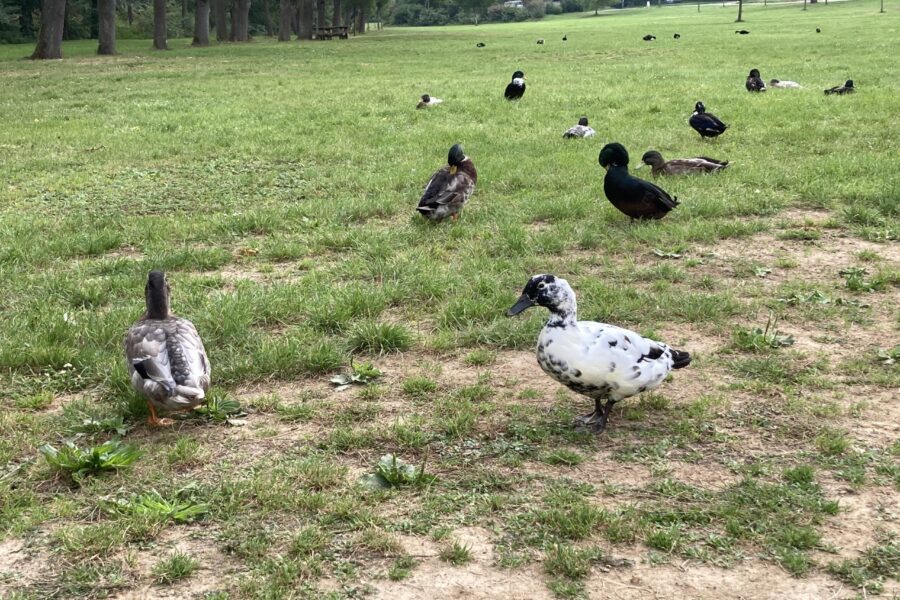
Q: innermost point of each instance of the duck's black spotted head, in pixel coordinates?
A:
(699, 108)
(426, 98)
(754, 72)
(156, 293)
(548, 291)
(849, 83)
(518, 75)
(613, 155)
(456, 156)
(583, 121)
(652, 158)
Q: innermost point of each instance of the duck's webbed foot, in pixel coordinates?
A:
(597, 420)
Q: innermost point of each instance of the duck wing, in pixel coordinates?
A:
(698, 163)
(445, 193)
(606, 361)
(513, 91)
(707, 124)
(635, 197)
(167, 361)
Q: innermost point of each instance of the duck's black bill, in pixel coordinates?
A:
(523, 303)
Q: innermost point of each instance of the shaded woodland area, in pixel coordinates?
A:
(49, 22)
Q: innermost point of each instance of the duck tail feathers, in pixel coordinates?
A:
(680, 359)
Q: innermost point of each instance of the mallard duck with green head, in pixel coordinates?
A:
(449, 188)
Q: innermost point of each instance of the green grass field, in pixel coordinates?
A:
(276, 184)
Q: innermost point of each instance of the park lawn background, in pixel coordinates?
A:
(275, 183)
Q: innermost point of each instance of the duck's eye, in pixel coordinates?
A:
(542, 285)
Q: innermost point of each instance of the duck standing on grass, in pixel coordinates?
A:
(635, 197)
(681, 166)
(582, 130)
(847, 88)
(754, 82)
(166, 359)
(449, 188)
(427, 101)
(516, 87)
(600, 361)
(706, 124)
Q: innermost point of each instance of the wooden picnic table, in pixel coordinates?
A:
(326, 33)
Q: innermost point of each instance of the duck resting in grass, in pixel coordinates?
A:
(427, 101)
(582, 130)
(754, 82)
(706, 124)
(516, 88)
(635, 197)
(449, 188)
(847, 88)
(784, 84)
(681, 166)
(166, 359)
(603, 362)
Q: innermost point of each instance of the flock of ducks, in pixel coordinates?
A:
(168, 365)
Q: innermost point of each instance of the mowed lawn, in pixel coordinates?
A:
(276, 185)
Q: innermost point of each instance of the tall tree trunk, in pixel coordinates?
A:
(66, 21)
(306, 19)
(285, 16)
(267, 15)
(295, 20)
(49, 41)
(320, 13)
(201, 23)
(361, 21)
(221, 20)
(106, 10)
(160, 25)
(336, 14)
(183, 9)
(130, 12)
(240, 21)
(740, 11)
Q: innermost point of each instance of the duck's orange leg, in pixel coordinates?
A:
(154, 420)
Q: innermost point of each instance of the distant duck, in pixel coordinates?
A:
(706, 124)
(635, 197)
(754, 82)
(565, 38)
(449, 187)
(649, 38)
(480, 45)
(516, 88)
(818, 30)
(540, 42)
(166, 359)
(581, 130)
(600, 361)
(681, 166)
(847, 88)
(778, 83)
(742, 32)
(427, 101)
(677, 36)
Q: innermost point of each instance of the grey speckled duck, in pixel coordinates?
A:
(166, 359)
(600, 361)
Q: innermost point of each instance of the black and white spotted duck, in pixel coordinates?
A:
(516, 88)
(603, 362)
(635, 197)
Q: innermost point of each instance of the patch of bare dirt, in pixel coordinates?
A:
(749, 580)
(480, 579)
(211, 575)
